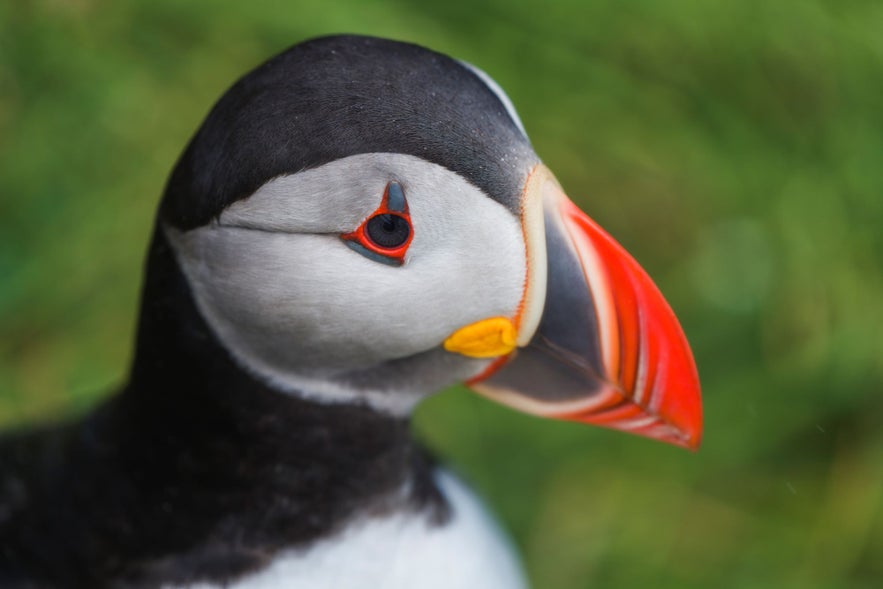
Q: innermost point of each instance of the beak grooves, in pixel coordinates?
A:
(607, 349)
(653, 388)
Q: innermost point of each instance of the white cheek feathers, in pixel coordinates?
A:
(498, 336)
(306, 313)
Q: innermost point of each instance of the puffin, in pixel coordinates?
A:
(357, 224)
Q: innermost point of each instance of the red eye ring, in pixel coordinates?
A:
(386, 234)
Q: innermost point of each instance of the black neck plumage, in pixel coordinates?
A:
(197, 471)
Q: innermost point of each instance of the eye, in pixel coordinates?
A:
(385, 235)
(388, 231)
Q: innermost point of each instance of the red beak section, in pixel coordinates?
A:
(653, 387)
(608, 349)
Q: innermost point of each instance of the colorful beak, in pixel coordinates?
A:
(603, 346)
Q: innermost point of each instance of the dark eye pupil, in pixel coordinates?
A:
(388, 231)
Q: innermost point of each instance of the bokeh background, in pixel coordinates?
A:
(735, 148)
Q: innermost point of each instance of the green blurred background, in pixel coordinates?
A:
(733, 147)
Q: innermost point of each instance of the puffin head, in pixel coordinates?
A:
(365, 221)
